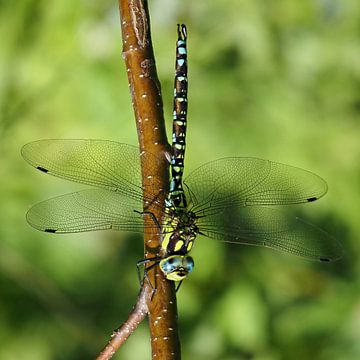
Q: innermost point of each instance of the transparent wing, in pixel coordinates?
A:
(269, 227)
(250, 181)
(100, 163)
(92, 209)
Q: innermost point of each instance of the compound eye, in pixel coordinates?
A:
(176, 262)
(189, 264)
(170, 264)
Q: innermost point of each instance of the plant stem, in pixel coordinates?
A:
(148, 108)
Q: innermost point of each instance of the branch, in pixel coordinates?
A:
(147, 103)
(120, 335)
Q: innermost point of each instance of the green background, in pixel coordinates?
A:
(273, 79)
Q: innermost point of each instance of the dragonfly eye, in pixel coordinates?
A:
(170, 264)
(188, 263)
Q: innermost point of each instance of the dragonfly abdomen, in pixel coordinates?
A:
(176, 193)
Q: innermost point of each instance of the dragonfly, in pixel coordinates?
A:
(233, 199)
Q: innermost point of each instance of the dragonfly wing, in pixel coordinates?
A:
(100, 163)
(251, 181)
(269, 227)
(92, 209)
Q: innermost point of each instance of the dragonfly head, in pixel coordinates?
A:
(177, 267)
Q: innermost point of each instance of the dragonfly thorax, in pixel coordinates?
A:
(180, 231)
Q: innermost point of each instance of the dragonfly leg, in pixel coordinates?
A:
(178, 285)
(143, 262)
(153, 217)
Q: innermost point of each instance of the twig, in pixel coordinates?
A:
(147, 103)
(121, 334)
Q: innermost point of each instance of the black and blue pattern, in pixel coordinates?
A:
(176, 193)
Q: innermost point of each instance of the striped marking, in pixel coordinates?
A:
(189, 246)
(179, 244)
(179, 146)
(181, 62)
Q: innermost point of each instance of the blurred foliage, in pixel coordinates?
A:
(272, 79)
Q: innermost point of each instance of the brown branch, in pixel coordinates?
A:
(120, 335)
(147, 103)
